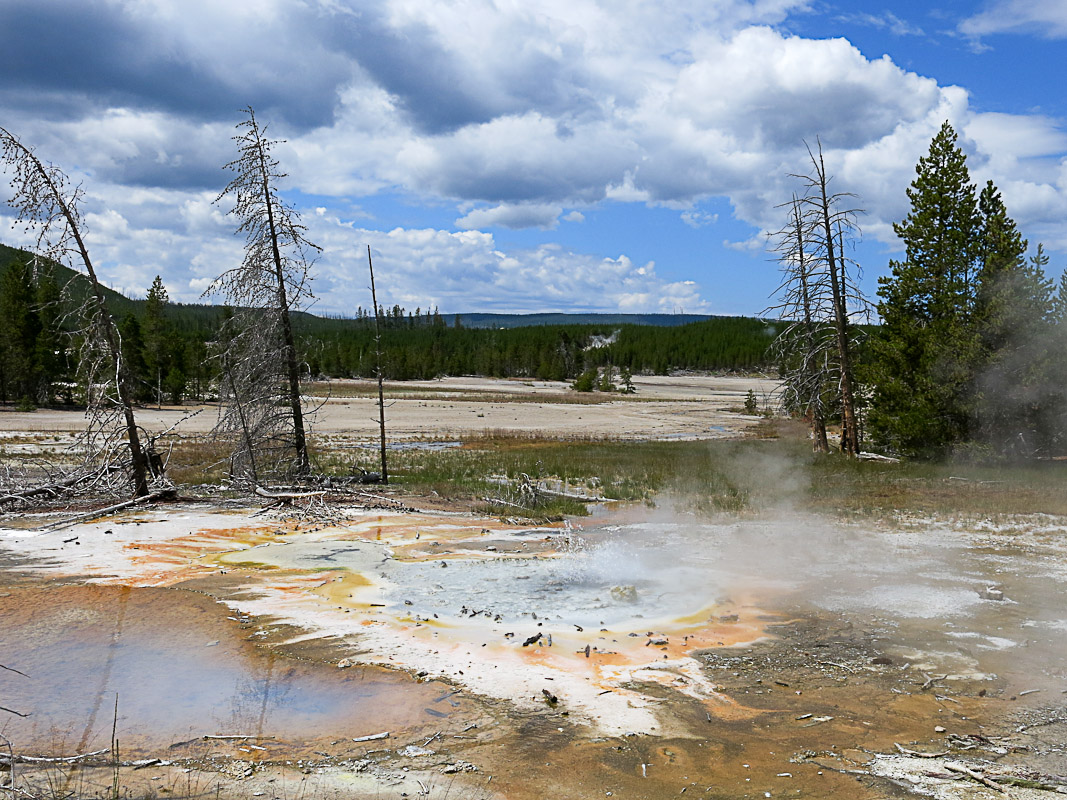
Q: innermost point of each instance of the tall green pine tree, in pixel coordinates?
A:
(924, 354)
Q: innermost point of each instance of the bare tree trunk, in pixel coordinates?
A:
(812, 373)
(303, 464)
(834, 261)
(270, 284)
(49, 194)
(378, 366)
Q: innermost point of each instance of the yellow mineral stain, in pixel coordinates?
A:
(342, 588)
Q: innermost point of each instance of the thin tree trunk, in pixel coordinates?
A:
(303, 464)
(378, 366)
(107, 325)
(849, 428)
(817, 418)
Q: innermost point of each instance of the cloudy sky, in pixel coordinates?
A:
(529, 155)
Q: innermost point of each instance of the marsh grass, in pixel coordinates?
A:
(196, 460)
(738, 476)
(772, 470)
(873, 488)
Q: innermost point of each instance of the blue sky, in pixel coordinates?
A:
(559, 155)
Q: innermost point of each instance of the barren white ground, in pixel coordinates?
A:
(664, 407)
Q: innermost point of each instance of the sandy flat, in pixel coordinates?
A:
(674, 407)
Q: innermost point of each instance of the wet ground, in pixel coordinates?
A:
(648, 654)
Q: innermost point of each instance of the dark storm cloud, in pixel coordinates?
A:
(65, 59)
(77, 54)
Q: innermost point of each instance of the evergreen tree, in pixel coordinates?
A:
(19, 370)
(157, 337)
(51, 349)
(132, 339)
(174, 382)
(1059, 301)
(925, 352)
(1012, 330)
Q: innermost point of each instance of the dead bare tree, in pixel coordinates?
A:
(261, 372)
(833, 229)
(47, 205)
(801, 347)
(378, 365)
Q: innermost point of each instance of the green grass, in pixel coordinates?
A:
(773, 471)
(733, 476)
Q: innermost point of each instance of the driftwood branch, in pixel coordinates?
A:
(53, 489)
(288, 496)
(101, 512)
(372, 737)
(975, 776)
(918, 753)
(496, 501)
(582, 498)
(55, 760)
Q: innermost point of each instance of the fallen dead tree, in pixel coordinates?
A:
(93, 479)
(528, 489)
(51, 490)
(21, 759)
(288, 497)
(168, 493)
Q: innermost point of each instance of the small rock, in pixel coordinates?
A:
(991, 593)
(345, 663)
(939, 729)
(413, 750)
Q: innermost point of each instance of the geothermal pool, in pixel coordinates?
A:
(211, 622)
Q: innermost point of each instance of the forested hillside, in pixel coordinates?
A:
(169, 346)
(425, 347)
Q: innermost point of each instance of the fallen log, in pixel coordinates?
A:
(975, 776)
(918, 753)
(53, 489)
(288, 496)
(1030, 783)
(55, 760)
(582, 498)
(501, 502)
(159, 494)
(1042, 723)
(373, 737)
